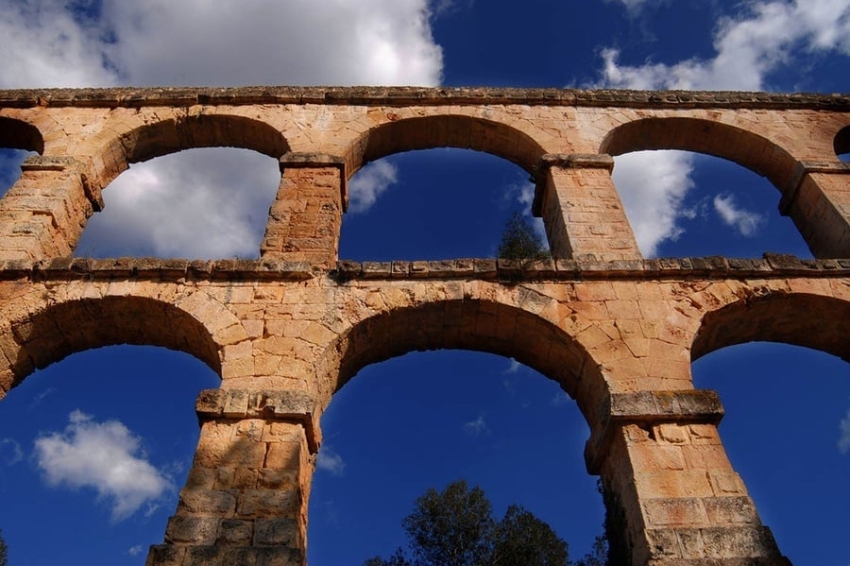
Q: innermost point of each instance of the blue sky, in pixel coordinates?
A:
(424, 419)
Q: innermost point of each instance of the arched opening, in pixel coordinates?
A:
(783, 433)
(445, 416)
(211, 201)
(701, 203)
(433, 204)
(842, 144)
(197, 204)
(420, 388)
(777, 364)
(49, 335)
(432, 199)
(18, 140)
(93, 452)
(99, 423)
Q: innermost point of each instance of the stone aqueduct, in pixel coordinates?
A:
(285, 331)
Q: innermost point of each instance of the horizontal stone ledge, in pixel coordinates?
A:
(722, 546)
(647, 408)
(208, 555)
(576, 161)
(240, 404)
(50, 163)
(695, 406)
(758, 561)
(156, 268)
(306, 160)
(411, 96)
(586, 267)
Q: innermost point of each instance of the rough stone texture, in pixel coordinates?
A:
(285, 332)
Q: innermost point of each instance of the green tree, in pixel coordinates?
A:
(3, 551)
(455, 527)
(520, 241)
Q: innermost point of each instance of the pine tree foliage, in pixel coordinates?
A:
(3, 551)
(520, 241)
(455, 527)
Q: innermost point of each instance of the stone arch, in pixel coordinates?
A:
(160, 138)
(841, 142)
(802, 319)
(448, 130)
(701, 135)
(48, 335)
(481, 325)
(17, 134)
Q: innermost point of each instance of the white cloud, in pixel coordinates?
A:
(45, 45)
(745, 222)
(202, 203)
(476, 428)
(12, 451)
(652, 186)
(195, 42)
(229, 42)
(747, 50)
(104, 456)
(369, 183)
(330, 461)
(844, 434)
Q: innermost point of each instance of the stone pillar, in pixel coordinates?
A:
(672, 496)
(44, 213)
(305, 219)
(581, 208)
(245, 500)
(818, 201)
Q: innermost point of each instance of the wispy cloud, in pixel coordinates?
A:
(136, 550)
(744, 221)
(106, 457)
(513, 366)
(560, 399)
(844, 434)
(369, 183)
(11, 450)
(330, 461)
(476, 428)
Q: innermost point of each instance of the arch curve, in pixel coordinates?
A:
(163, 137)
(481, 325)
(50, 334)
(801, 319)
(841, 143)
(701, 135)
(448, 130)
(18, 134)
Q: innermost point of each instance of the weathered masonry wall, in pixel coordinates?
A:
(286, 331)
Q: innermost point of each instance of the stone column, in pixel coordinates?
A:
(818, 201)
(305, 219)
(44, 213)
(672, 496)
(245, 500)
(581, 208)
